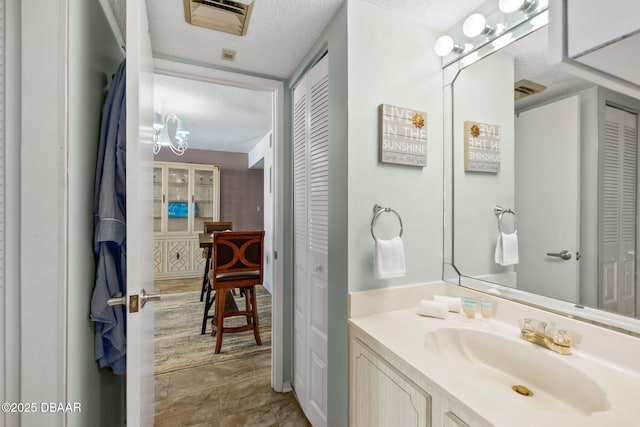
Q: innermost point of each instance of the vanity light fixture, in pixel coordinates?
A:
(476, 24)
(502, 41)
(163, 124)
(463, 40)
(540, 20)
(510, 6)
(445, 45)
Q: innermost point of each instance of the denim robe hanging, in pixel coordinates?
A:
(109, 220)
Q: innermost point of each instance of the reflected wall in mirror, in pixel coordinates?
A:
(568, 170)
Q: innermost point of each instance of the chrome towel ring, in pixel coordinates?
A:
(499, 212)
(379, 210)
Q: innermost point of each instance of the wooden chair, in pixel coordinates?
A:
(210, 227)
(237, 263)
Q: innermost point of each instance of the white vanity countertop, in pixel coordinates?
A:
(403, 332)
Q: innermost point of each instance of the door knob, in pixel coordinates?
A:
(565, 255)
(152, 296)
(118, 300)
(136, 301)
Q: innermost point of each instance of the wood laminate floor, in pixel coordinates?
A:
(231, 393)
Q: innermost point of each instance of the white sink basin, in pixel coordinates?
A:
(506, 362)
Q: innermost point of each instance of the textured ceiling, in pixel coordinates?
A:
(530, 58)
(280, 34)
(219, 117)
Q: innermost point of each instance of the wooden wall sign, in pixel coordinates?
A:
(481, 147)
(403, 136)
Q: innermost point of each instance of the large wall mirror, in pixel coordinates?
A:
(546, 163)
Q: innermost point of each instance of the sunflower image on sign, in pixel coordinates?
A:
(475, 130)
(418, 120)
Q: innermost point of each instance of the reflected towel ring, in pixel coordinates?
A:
(377, 211)
(499, 211)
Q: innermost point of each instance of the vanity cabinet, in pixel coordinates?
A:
(384, 391)
(382, 396)
(185, 195)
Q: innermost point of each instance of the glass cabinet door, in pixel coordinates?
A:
(157, 199)
(204, 203)
(178, 200)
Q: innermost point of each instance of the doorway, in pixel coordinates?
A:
(272, 218)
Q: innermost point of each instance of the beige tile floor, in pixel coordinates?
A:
(232, 393)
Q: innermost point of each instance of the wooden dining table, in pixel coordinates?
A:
(206, 242)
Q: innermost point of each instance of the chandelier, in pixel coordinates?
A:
(169, 131)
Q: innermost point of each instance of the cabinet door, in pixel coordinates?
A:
(157, 256)
(452, 420)
(178, 205)
(179, 255)
(158, 199)
(384, 397)
(199, 257)
(205, 201)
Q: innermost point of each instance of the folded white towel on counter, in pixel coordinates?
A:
(439, 309)
(507, 249)
(388, 260)
(452, 302)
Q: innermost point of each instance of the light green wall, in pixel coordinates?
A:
(391, 61)
(482, 92)
(94, 56)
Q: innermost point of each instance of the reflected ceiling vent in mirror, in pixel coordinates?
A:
(523, 88)
(230, 16)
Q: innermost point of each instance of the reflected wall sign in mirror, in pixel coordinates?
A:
(569, 173)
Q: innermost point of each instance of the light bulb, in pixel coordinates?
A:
(510, 6)
(443, 46)
(474, 25)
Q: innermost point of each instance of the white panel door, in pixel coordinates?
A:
(300, 232)
(140, 389)
(318, 214)
(311, 213)
(619, 201)
(546, 202)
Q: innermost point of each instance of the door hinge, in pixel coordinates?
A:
(275, 255)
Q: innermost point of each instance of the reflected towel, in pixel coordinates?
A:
(507, 249)
(388, 260)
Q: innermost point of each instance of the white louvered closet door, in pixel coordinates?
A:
(619, 219)
(311, 213)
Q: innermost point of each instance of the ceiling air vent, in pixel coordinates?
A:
(523, 88)
(222, 15)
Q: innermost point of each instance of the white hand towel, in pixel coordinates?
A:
(507, 249)
(452, 302)
(388, 260)
(439, 309)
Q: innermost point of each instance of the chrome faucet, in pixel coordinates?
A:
(535, 331)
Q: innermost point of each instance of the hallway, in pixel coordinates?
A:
(229, 393)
